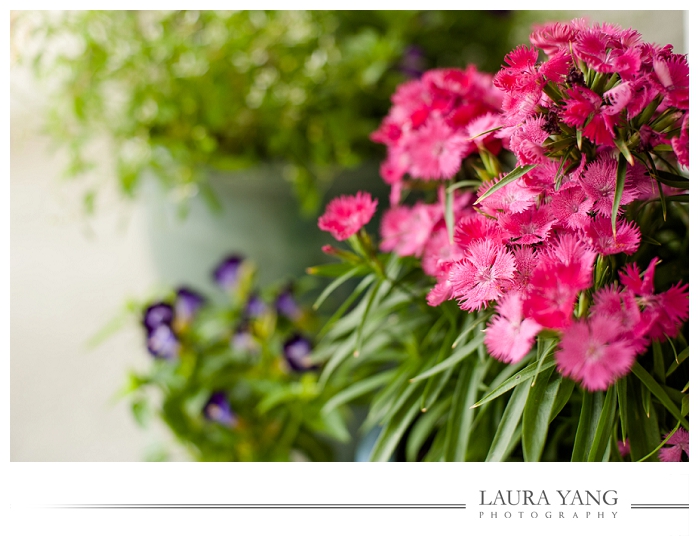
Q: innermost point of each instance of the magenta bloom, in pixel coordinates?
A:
(406, 230)
(675, 446)
(570, 207)
(346, 215)
(510, 335)
(593, 353)
(599, 183)
(436, 151)
(601, 238)
(482, 275)
(624, 448)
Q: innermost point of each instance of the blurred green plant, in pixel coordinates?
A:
(180, 92)
(232, 377)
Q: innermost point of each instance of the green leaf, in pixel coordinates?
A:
(464, 184)
(681, 358)
(513, 175)
(514, 381)
(665, 440)
(334, 285)
(455, 358)
(685, 405)
(643, 431)
(548, 346)
(449, 215)
(332, 424)
(624, 149)
(537, 415)
(659, 393)
(562, 397)
(621, 389)
(670, 179)
(461, 414)
(620, 179)
(365, 315)
(605, 427)
(592, 403)
(335, 269)
(392, 432)
(658, 362)
(423, 428)
(508, 424)
(357, 390)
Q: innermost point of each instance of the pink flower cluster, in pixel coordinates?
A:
(530, 248)
(601, 80)
(435, 122)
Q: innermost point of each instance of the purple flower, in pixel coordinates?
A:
(227, 273)
(243, 341)
(413, 62)
(676, 447)
(286, 305)
(297, 351)
(255, 307)
(162, 342)
(157, 314)
(217, 409)
(187, 305)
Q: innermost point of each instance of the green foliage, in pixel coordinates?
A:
(181, 92)
(279, 414)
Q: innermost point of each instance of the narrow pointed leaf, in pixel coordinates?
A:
(659, 393)
(514, 380)
(621, 389)
(424, 426)
(334, 285)
(620, 179)
(513, 175)
(358, 389)
(455, 358)
(449, 215)
(537, 411)
(592, 403)
(461, 414)
(605, 427)
(508, 424)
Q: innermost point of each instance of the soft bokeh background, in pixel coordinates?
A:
(71, 274)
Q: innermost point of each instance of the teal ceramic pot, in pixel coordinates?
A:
(259, 218)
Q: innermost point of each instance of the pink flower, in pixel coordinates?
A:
(680, 144)
(570, 207)
(346, 215)
(584, 110)
(406, 230)
(553, 37)
(510, 336)
(672, 73)
(624, 448)
(661, 314)
(528, 227)
(515, 197)
(591, 352)
(678, 443)
(527, 141)
(563, 270)
(474, 227)
(481, 275)
(601, 238)
(435, 151)
(599, 183)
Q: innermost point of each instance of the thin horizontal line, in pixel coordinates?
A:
(257, 506)
(660, 507)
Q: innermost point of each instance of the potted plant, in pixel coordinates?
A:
(528, 297)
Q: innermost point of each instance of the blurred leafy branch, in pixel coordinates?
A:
(181, 92)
